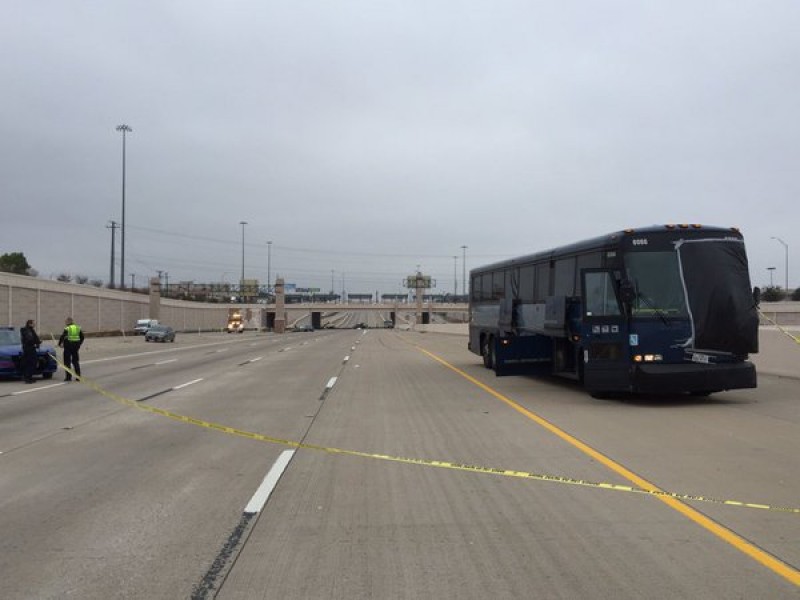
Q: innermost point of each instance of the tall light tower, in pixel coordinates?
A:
(124, 129)
(463, 270)
(786, 250)
(241, 280)
(113, 227)
(771, 270)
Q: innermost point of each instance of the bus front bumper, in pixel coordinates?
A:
(660, 378)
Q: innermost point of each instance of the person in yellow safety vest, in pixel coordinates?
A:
(71, 340)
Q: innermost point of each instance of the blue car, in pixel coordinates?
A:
(11, 356)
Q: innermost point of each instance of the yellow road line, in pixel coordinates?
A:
(794, 338)
(761, 556)
(644, 486)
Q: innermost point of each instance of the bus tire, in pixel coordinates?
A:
(487, 351)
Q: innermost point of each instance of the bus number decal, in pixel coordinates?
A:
(640, 242)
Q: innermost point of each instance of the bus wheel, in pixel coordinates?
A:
(487, 351)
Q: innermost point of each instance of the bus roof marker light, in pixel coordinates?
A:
(684, 226)
(697, 225)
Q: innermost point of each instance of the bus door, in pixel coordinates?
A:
(604, 334)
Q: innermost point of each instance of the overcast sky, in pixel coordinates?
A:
(366, 137)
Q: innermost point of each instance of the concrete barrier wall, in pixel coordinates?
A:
(96, 310)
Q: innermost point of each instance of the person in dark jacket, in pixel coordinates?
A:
(30, 345)
(71, 340)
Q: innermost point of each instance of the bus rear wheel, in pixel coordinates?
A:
(487, 352)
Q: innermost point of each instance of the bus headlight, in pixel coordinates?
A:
(647, 358)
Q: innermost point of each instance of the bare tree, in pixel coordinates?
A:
(64, 277)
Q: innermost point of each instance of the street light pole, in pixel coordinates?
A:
(463, 270)
(113, 227)
(124, 129)
(786, 250)
(241, 280)
(269, 266)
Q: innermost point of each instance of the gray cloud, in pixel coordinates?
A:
(369, 137)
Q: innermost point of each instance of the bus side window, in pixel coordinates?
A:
(600, 299)
(526, 274)
(542, 286)
(499, 286)
(486, 287)
(565, 277)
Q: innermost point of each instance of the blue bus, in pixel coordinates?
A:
(661, 309)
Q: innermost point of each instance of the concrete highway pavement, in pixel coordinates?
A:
(100, 500)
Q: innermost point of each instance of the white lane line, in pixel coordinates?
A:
(187, 384)
(264, 491)
(163, 362)
(331, 383)
(36, 389)
(252, 360)
(346, 358)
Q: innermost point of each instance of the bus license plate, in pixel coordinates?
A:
(701, 358)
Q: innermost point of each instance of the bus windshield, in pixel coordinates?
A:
(657, 282)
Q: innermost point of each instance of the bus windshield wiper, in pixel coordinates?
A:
(657, 311)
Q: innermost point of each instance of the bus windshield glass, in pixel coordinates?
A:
(657, 282)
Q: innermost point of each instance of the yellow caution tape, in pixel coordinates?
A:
(794, 338)
(416, 461)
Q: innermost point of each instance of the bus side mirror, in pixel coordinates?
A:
(627, 293)
(757, 295)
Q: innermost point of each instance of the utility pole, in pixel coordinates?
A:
(455, 277)
(166, 284)
(269, 266)
(133, 281)
(113, 227)
(786, 249)
(241, 280)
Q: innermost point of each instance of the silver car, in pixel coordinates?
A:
(160, 333)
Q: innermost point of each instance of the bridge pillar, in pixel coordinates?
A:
(316, 319)
(280, 311)
(155, 298)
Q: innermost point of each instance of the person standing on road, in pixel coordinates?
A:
(71, 340)
(30, 344)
